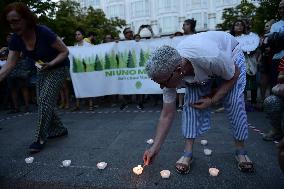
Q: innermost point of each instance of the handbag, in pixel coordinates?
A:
(278, 90)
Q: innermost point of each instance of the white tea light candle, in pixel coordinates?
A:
(102, 165)
(207, 151)
(214, 172)
(150, 141)
(138, 170)
(165, 174)
(66, 163)
(29, 159)
(204, 142)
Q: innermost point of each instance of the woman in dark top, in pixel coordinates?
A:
(40, 44)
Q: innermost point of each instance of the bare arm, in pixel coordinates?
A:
(11, 62)
(63, 53)
(226, 86)
(164, 125)
(221, 92)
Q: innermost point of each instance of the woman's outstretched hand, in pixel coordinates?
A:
(149, 155)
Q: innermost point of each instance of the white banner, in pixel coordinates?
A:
(114, 68)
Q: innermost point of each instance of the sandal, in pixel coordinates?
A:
(183, 164)
(244, 166)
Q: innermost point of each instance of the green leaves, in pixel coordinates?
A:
(257, 16)
(65, 16)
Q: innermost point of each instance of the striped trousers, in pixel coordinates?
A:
(48, 87)
(196, 122)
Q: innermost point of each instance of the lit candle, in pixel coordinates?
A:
(150, 141)
(207, 151)
(138, 170)
(66, 163)
(101, 165)
(165, 174)
(29, 159)
(204, 142)
(213, 172)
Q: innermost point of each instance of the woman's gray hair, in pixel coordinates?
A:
(163, 61)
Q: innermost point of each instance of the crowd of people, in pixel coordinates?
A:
(221, 71)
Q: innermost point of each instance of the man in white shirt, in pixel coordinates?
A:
(191, 64)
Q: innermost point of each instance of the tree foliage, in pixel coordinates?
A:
(244, 11)
(266, 11)
(255, 16)
(65, 16)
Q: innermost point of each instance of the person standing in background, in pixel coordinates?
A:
(39, 43)
(80, 42)
(188, 29)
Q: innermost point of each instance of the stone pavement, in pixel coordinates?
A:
(118, 138)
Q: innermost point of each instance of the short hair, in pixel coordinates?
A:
(192, 23)
(91, 34)
(128, 28)
(81, 31)
(23, 10)
(163, 61)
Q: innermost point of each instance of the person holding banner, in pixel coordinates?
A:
(40, 44)
(191, 65)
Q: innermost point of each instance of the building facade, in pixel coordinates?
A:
(165, 16)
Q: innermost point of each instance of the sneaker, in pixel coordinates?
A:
(123, 107)
(140, 107)
(64, 133)
(180, 109)
(272, 135)
(36, 147)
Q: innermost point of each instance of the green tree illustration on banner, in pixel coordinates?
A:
(134, 58)
(89, 65)
(98, 64)
(84, 65)
(122, 59)
(107, 62)
(74, 65)
(130, 61)
(113, 62)
(142, 59)
(78, 65)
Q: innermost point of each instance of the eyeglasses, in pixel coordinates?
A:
(166, 82)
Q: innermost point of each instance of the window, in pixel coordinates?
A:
(228, 2)
(167, 6)
(168, 24)
(197, 17)
(205, 22)
(196, 4)
(219, 3)
(114, 1)
(140, 8)
(116, 11)
(88, 3)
